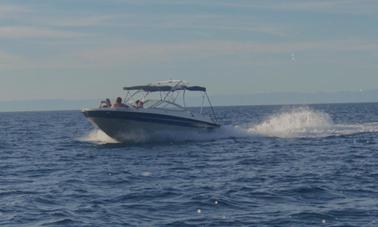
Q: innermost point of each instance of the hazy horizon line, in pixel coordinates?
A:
(210, 94)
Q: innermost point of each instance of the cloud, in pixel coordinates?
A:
(191, 34)
(209, 28)
(74, 21)
(8, 60)
(197, 23)
(9, 9)
(85, 21)
(141, 53)
(25, 32)
(337, 6)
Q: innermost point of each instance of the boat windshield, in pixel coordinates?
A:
(162, 105)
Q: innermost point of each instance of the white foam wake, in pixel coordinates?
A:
(304, 122)
(298, 122)
(97, 136)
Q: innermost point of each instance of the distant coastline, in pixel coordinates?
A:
(276, 98)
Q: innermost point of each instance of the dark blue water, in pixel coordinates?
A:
(274, 166)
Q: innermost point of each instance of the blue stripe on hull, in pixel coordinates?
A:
(150, 117)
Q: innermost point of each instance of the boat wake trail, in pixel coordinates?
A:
(301, 122)
(304, 122)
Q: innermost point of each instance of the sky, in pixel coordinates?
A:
(89, 49)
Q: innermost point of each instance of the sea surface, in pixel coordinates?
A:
(314, 165)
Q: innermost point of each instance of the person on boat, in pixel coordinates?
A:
(106, 104)
(119, 104)
(139, 104)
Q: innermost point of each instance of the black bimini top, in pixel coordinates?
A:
(157, 88)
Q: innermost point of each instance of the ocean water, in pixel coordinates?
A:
(311, 165)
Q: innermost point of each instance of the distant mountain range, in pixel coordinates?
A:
(279, 98)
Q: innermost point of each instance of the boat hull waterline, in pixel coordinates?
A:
(132, 126)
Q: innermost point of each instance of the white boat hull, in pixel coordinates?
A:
(134, 126)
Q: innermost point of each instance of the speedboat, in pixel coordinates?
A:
(152, 111)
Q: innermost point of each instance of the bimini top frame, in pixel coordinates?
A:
(166, 86)
(169, 92)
